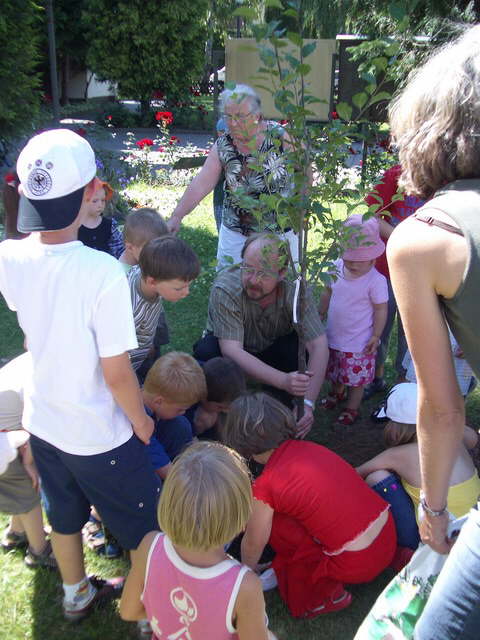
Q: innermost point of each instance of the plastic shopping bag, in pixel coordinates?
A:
(400, 605)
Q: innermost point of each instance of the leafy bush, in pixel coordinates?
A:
(19, 81)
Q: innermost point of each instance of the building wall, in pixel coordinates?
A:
(96, 89)
(243, 64)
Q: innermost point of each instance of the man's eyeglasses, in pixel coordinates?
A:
(238, 117)
(261, 274)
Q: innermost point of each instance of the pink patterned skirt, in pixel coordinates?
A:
(351, 369)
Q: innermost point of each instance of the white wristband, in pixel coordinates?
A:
(309, 403)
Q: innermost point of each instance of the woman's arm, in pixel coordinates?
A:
(426, 262)
(131, 607)
(200, 186)
(257, 533)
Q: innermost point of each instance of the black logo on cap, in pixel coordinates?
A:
(39, 182)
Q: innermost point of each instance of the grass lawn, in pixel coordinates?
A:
(30, 600)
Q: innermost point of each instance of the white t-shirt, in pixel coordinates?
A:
(73, 304)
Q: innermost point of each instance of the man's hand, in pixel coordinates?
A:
(143, 430)
(297, 383)
(433, 531)
(305, 423)
(372, 345)
(173, 224)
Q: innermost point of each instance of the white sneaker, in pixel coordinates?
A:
(268, 579)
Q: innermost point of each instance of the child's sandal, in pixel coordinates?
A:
(347, 417)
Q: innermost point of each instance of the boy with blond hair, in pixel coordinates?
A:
(167, 266)
(174, 383)
(141, 225)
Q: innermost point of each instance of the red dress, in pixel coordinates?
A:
(320, 504)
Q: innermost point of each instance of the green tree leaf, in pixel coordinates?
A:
(360, 99)
(245, 12)
(274, 3)
(295, 38)
(382, 95)
(309, 48)
(344, 110)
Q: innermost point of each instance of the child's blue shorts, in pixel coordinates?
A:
(403, 511)
(121, 483)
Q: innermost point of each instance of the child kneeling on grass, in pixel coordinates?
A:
(326, 526)
(182, 579)
(225, 382)
(174, 383)
(395, 473)
(167, 266)
(357, 312)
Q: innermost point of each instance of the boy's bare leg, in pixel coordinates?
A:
(16, 525)
(68, 551)
(32, 524)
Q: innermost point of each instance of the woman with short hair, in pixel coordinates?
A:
(434, 260)
(250, 140)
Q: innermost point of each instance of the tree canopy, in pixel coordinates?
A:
(19, 57)
(146, 45)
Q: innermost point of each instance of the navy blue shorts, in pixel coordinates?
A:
(121, 483)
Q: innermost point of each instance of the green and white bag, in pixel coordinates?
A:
(400, 605)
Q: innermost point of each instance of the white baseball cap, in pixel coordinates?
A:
(401, 404)
(53, 169)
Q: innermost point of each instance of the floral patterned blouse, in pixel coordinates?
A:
(244, 180)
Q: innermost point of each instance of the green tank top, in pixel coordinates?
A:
(460, 200)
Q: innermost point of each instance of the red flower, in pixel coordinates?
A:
(144, 142)
(283, 122)
(174, 140)
(165, 116)
(109, 117)
(10, 179)
(334, 115)
(385, 144)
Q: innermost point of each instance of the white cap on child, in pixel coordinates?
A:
(401, 404)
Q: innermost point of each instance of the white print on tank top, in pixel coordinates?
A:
(186, 607)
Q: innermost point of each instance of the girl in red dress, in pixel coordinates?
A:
(326, 526)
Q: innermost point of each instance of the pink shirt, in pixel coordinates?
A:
(184, 602)
(350, 313)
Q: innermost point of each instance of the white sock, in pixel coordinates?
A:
(79, 594)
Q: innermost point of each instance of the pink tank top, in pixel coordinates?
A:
(184, 602)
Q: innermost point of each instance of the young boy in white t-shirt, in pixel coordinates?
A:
(83, 406)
